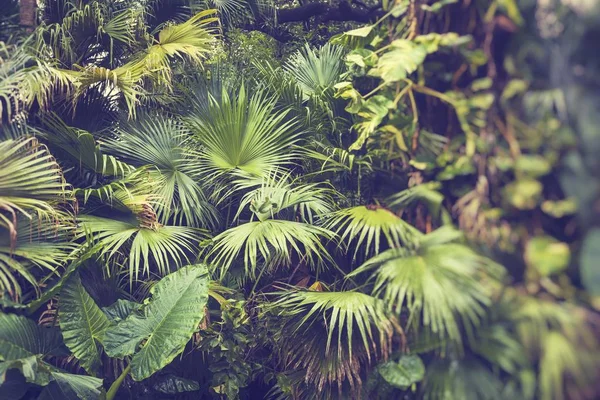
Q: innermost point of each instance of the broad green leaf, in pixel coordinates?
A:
(120, 310)
(171, 384)
(32, 368)
(404, 59)
(532, 166)
(560, 208)
(168, 321)
(404, 372)
(373, 112)
(589, 260)
(547, 255)
(82, 323)
(21, 338)
(72, 387)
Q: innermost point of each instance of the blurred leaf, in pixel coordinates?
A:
(438, 5)
(547, 255)
(523, 194)
(532, 166)
(589, 259)
(560, 208)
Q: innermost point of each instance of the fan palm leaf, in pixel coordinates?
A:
(272, 241)
(316, 69)
(161, 142)
(43, 246)
(438, 283)
(25, 79)
(276, 193)
(243, 134)
(367, 226)
(162, 247)
(31, 182)
(331, 334)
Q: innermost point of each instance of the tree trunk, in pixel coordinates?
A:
(27, 13)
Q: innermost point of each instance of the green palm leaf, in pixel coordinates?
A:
(277, 193)
(81, 148)
(316, 69)
(438, 283)
(165, 247)
(331, 335)
(166, 323)
(369, 225)
(82, 323)
(45, 246)
(244, 134)
(161, 142)
(272, 241)
(31, 182)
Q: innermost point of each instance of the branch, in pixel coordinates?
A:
(325, 12)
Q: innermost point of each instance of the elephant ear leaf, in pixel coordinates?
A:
(72, 387)
(82, 322)
(21, 338)
(166, 323)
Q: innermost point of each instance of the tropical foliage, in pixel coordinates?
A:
(242, 199)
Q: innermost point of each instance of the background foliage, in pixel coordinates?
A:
(244, 199)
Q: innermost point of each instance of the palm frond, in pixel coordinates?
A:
(371, 224)
(161, 142)
(37, 251)
(81, 147)
(316, 70)
(243, 134)
(191, 39)
(425, 193)
(272, 242)
(158, 250)
(440, 283)
(340, 331)
(31, 182)
(25, 79)
(277, 193)
(561, 338)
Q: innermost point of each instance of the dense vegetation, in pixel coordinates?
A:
(351, 200)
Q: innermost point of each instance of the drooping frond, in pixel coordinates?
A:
(161, 249)
(273, 242)
(370, 226)
(439, 283)
(331, 335)
(277, 193)
(427, 194)
(37, 251)
(31, 182)
(81, 147)
(561, 338)
(25, 79)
